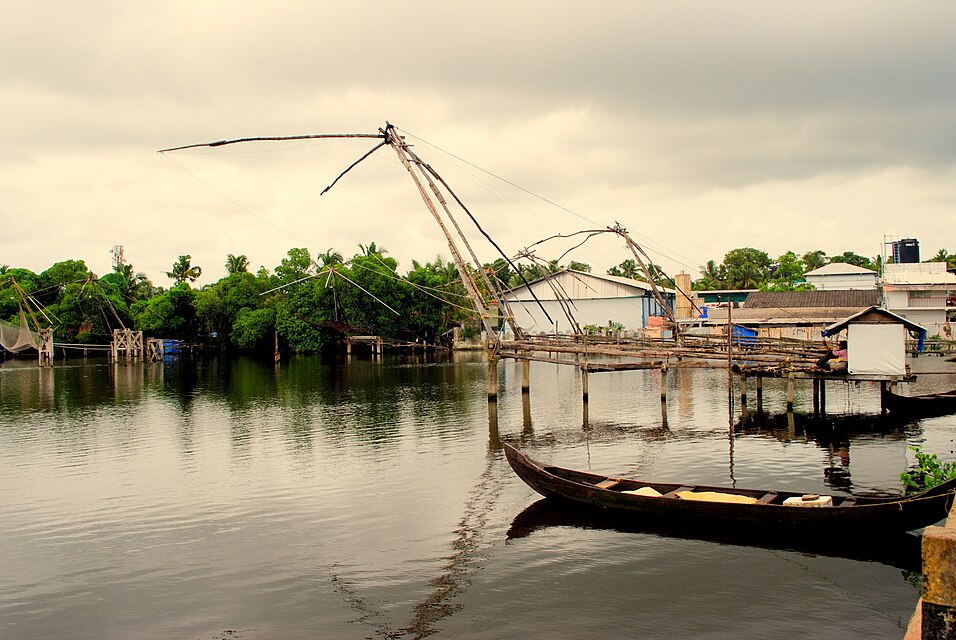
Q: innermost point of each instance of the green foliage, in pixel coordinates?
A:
(377, 296)
(435, 301)
(296, 266)
(170, 314)
(746, 268)
(928, 473)
(254, 329)
(849, 257)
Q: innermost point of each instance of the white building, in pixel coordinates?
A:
(923, 292)
(589, 299)
(842, 276)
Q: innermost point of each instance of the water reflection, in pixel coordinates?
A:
(897, 550)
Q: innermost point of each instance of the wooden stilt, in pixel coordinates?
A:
(525, 376)
(823, 397)
(492, 377)
(816, 397)
(883, 397)
(791, 387)
(664, 383)
(584, 384)
(759, 382)
(743, 389)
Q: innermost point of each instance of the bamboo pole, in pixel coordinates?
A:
(404, 155)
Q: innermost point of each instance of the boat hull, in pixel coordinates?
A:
(874, 514)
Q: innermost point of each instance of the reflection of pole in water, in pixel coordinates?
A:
(494, 440)
(526, 412)
(453, 578)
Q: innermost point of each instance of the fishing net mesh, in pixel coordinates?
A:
(17, 338)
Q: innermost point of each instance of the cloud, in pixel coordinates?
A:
(701, 128)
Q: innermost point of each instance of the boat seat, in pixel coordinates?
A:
(610, 483)
(848, 502)
(673, 494)
(767, 498)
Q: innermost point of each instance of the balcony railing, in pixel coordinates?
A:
(938, 303)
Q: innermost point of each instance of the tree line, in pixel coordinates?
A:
(311, 301)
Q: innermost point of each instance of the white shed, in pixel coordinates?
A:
(591, 299)
(876, 341)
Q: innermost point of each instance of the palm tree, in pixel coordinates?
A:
(135, 286)
(371, 249)
(183, 271)
(330, 258)
(814, 260)
(236, 264)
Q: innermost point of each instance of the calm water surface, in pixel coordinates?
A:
(209, 499)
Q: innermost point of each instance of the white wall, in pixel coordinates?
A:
(631, 312)
(876, 349)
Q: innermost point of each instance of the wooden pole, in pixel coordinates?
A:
(525, 376)
(791, 384)
(743, 389)
(584, 383)
(759, 394)
(664, 382)
(730, 347)
(816, 396)
(492, 377)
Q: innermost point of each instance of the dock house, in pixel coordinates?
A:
(876, 341)
(588, 298)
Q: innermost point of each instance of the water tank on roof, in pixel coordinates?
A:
(906, 250)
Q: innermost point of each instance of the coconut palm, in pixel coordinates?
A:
(814, 260)
(183, 270)
(236, 264)
(330, 258)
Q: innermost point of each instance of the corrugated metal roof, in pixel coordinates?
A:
(782, 316)
(854, 299)
(578, 285)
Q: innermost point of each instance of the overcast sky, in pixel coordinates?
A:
(700, 127)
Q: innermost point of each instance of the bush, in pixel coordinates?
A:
(929, 472)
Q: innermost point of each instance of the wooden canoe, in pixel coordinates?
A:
(932, 404)
(764, 509)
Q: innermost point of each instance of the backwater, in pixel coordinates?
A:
(229, 498)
